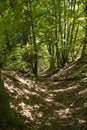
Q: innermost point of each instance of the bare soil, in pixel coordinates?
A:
(55, 102)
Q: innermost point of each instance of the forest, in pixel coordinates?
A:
(43, 64)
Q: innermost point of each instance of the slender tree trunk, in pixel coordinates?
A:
(56, 35)
(50, 47)
(26, 25)
(72, 31)
(84, 51)
(35, 56)
(35, 69)
(7, 41)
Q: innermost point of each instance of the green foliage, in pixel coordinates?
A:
(14, 61)
(39, 34)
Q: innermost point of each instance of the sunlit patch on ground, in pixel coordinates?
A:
(64, 90)
(83, 91)
(44, 105)
(64, 113)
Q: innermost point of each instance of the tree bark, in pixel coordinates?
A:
(35, 55)
(84, 50)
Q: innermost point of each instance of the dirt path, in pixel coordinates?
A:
(60, 105)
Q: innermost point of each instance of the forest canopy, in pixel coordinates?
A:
(35, 35)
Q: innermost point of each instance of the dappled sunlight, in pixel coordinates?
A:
(64, 113)
(48, 100)
(63, 72)
(67, 89)
(10, 88)
(83, 92)
(26, 91)
(82, 121)
(83, 80)
(25, 110)
(40, 103)
(43, 90)
(24, 81)
(85, 104)
(34, 93)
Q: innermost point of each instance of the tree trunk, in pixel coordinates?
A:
(35, 55)
(84, 51)
(26, 24)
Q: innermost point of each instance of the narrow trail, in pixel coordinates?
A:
(48, 104)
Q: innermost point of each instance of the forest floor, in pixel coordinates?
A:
(56, 102)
